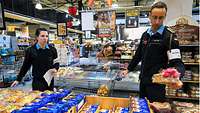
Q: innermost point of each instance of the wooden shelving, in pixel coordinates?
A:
(191, 63)
(190, 81)
(185, 98)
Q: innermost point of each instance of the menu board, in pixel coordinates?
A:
(61, 29)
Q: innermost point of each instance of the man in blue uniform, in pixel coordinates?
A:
(41, 57)
(154, 45)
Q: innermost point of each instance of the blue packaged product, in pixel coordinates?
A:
(79, 97)
(25, 110)
(37, 104)
(65, 109)
(104, 111)
(44, 94)
(66, 92)
(15, 111)
(48, 111)
(70, 103)
(46, 100)
(125, 110)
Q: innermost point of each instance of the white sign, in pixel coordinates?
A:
(87, 34)
(87, 21)
(174, 54)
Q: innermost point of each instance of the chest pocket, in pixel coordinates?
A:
(156, 47)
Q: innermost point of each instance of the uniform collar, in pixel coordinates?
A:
(38, 46)
(160, 30)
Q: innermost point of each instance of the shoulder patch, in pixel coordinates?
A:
(171, 30)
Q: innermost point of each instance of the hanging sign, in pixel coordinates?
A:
(106, 24)
(61, 29)
(132, 18)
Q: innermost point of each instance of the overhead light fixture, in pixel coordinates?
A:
(115, 5)
(38, 5)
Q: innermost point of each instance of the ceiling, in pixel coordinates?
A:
(55, 10)
(62, 5)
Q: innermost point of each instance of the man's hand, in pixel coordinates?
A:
(53, 71)
(124, 73)
(15, 83)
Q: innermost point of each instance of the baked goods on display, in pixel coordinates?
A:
(195, 76)
(90, 109)
(97, 109)
(103, 90)
(185, 107)
(159, 107)
(16, 100)
(139, 105)
(167, 76)
(70, 72)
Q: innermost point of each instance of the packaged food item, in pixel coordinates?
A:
(159, 107)
(121, 110)
(104, 111)
(90, 109)
(168, 77)
(138, 105)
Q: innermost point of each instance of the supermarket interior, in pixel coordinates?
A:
(99, 56)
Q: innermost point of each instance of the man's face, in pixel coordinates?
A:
(43, 38)
(157, 16)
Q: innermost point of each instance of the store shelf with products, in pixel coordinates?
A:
(188, 38)
(190, 81)
(184, 98)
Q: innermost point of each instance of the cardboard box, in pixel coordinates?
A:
(106, 102)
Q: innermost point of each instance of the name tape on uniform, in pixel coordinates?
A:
(174, 54)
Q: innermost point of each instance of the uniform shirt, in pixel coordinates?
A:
(40, 59)
(152, 52)
(38, 46)
(160, 30)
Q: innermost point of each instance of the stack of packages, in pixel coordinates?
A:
(62, 54)
(97, 109)
(40, 102)
(167, 76)
(185, 107)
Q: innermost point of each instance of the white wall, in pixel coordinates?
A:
(135, 33)
(177, 8)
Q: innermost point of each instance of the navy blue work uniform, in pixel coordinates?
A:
(152, 52)
(41, 61)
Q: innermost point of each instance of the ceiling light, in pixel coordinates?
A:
(38, 5)
(115, 6)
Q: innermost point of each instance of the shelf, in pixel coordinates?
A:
(185, 98)
(190, 81)
(188, 63)
(189, 45)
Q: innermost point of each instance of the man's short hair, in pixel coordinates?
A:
(38, 30)
(159, 5)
